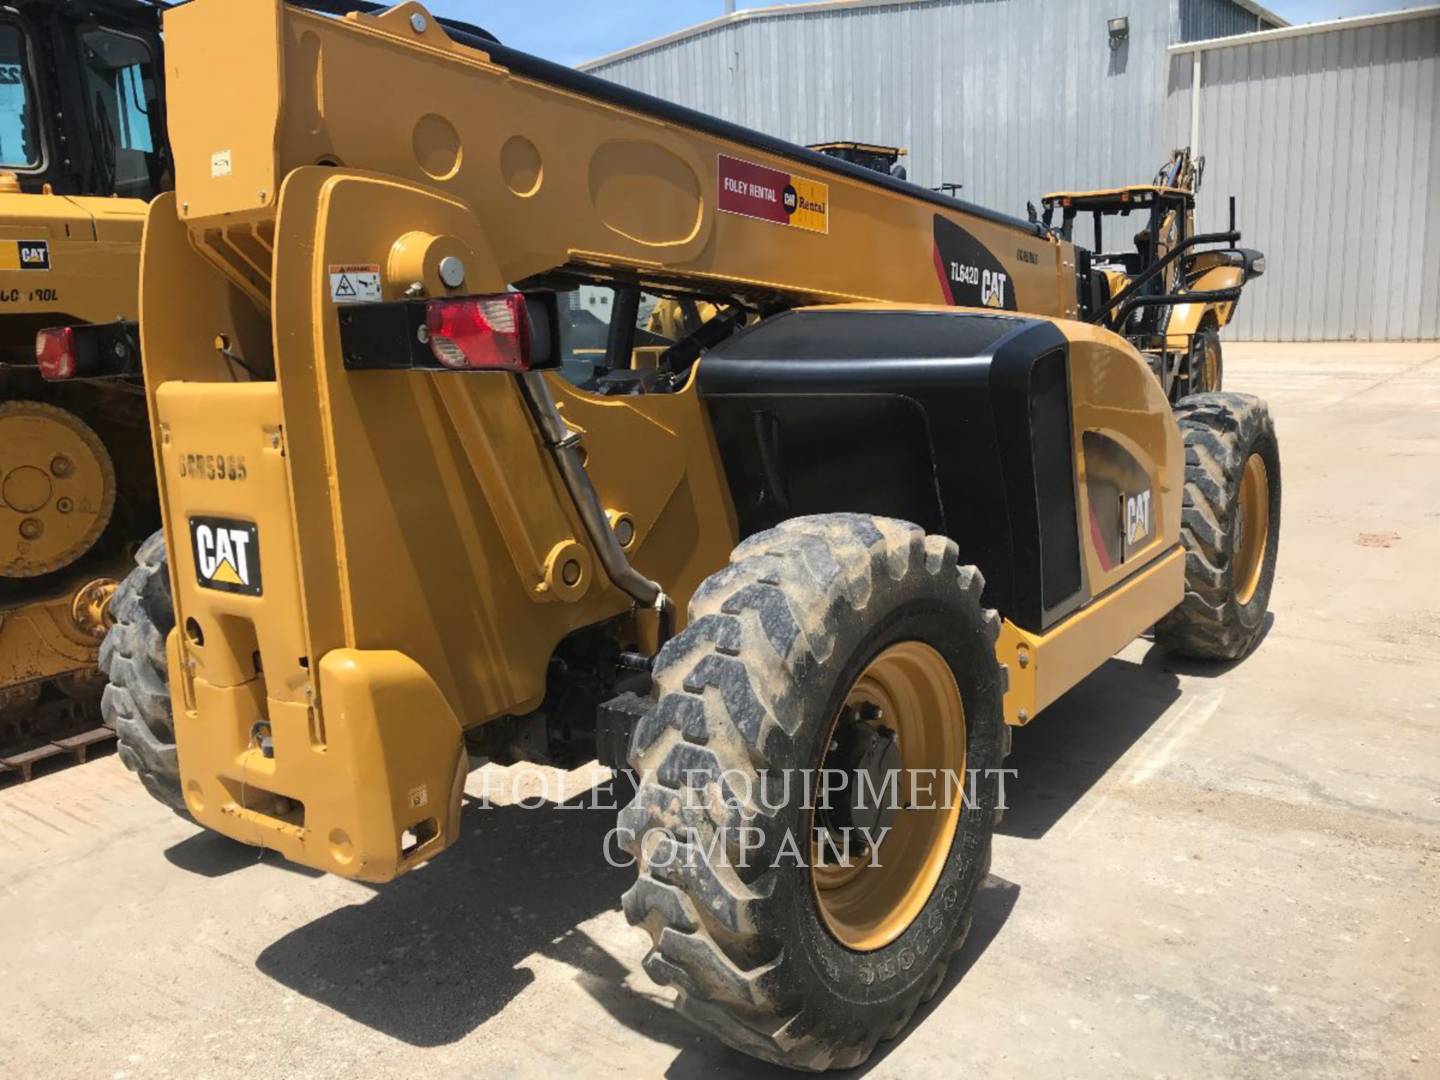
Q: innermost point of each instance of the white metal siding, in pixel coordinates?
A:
(1012, 98)
(1217, 18)
(1331, 143)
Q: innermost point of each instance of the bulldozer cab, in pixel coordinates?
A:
(81, 99)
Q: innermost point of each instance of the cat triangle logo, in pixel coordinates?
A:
(226, 573)
(227, 555)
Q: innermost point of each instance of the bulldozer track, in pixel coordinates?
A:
(18, 766)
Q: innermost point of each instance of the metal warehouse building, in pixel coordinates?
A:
(1328, 134)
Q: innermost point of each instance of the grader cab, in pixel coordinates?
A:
(1172, 291)
(882, 496)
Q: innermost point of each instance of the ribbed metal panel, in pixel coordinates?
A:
(1331, 143)
(1012, 98)
(1201, 19)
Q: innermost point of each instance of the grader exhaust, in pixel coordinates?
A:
(889, 498)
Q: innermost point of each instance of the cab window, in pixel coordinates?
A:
(19, 136)
(120, 85)
(585, 315)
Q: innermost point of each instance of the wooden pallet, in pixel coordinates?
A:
(77, 746)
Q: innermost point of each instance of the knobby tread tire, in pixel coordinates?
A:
(747, 690)
(1221, 431)
(136, 702)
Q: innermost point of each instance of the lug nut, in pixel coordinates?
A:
(61, 465)
(31, 528)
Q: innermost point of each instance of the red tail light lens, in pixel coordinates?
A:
(55, 352)
(480, 333)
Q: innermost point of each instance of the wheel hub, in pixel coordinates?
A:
(880, 843)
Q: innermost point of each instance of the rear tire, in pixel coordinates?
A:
(1207, 363)
(136, 702)
(1231, 458)
(748, 697)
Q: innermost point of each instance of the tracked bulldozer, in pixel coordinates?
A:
(82, 150)
(885, 494)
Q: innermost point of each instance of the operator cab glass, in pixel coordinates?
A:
(122, 94)
(19, 134)
(585, 316)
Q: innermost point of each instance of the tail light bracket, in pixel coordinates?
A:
(396, 335)
(89, 351)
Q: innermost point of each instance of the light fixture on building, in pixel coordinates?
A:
(1119, 31)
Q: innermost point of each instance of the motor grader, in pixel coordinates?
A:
(892, 496)
(82, 149)
(1176, 289)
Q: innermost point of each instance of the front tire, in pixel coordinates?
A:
(1230, 524)
(136, 701)
(814, 624)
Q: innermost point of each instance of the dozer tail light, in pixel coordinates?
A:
(55, 352)
(480, 333)
(89, 351)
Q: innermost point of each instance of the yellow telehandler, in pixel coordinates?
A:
(888, 494)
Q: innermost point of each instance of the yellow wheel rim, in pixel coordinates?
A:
(1253, 529)
(867, 899)
(1212, 364)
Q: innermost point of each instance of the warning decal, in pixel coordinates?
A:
(758, 191)
(355, 283)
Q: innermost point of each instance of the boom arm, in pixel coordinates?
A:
(567, 171)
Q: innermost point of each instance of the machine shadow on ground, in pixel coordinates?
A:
(1078, 739)
(211, 855)
(432, 956)
(704, 1057)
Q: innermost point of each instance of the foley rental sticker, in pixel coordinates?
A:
(757, 191)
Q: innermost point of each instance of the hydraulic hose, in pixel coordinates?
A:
(564, 447)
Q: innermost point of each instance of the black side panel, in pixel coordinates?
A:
(1032, 404)
(958, 422)
(792, 454)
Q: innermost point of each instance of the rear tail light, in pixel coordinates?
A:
(89, 351)
(480, 333)
(55, 352)
(510, 332)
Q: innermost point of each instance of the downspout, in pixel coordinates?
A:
(1195, 105)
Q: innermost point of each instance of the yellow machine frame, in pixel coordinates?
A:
(422, 557)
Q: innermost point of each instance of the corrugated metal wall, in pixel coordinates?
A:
(1201, 19)
(1012, 98)
(1331, 143)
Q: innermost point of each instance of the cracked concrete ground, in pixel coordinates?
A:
(1204, 872)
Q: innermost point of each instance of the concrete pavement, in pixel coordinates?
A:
(1206, 870)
